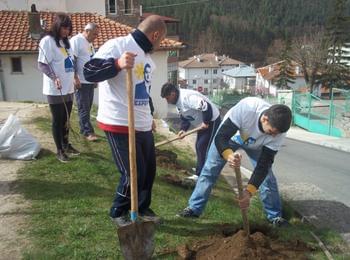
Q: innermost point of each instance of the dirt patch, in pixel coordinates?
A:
(167, 159)
(13, 206)
(239, 246)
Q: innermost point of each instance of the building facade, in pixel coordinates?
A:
(204, 72)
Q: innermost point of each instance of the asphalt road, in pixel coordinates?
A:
(325, 168)
(315, 181)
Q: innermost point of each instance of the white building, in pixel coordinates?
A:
(21, 80)
(204, 72)
(266, 78)
(241, 78)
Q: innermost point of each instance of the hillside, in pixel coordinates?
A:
(243, 29)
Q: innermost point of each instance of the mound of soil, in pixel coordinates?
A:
(167, 159)
(239, 246)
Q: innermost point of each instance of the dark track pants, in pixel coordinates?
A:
(146, 170)
(204, 138)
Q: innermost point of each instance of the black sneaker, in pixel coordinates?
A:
(71, 150)
(62, 156)
(149, 215)
(279, 222)
(121, 221)
(187, 213)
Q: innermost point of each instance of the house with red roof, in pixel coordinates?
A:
(21, 80)
(267, 76)
(204, 72)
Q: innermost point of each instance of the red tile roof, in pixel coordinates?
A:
(14, 33)
(272, 71)
(208, 60)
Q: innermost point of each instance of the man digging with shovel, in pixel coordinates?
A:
(197, 110)
(109, 65)
(259, 129)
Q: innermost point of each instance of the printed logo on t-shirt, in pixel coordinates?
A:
(143, 88)
(244, 141)
(68, 62)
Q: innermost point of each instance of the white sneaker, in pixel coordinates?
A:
(193, 178)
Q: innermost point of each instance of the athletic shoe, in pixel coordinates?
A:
(279, 222)
(187, 213)
(121, 221)
(62, 156)
(149, 215)
(71, 150)
(193, 178)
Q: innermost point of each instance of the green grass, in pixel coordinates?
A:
(70, 204)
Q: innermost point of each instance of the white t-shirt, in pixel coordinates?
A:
(191, 104)
(61, 62)
(113, 99)
(245, 115)
(83, 51)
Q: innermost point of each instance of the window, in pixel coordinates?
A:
(194, 81)
(127, 6)
(16, 64)
(215, 71)
(172, 53)
(206, 71)
(215, 81)
(206, 81)
(112, 6)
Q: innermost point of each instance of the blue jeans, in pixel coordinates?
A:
(269, 194)
(85, 96)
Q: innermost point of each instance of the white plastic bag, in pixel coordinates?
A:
(16, 142)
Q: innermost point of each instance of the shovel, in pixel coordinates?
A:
(194, 130)
(136, 239)
(240, 195)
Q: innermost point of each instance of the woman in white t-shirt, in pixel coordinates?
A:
(55, 60)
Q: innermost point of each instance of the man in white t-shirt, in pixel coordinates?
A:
(259, 129)
(83, 50)
(108, 67)
(195, 110)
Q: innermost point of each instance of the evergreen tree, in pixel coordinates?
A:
(336, 70)
(286, 70)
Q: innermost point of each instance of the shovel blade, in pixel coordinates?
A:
(137, 240)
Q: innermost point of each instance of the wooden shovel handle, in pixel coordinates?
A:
(132, 147)
(194, 130)
(240, 195)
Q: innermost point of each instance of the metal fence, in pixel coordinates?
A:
(321, 115)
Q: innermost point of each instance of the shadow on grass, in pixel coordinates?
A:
(47, 190)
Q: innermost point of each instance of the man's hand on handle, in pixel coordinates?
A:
(244, 201)
(204, 125)
(181, 133)
(126, 61)
(234, 160)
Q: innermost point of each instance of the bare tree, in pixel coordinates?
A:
(310, 52)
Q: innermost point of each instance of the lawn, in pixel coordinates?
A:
(68, 217)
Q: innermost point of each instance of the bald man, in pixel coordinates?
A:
(83, 50)
(109, 66)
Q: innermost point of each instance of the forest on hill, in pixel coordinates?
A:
(247, 30)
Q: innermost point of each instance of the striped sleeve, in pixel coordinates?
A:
(97, 70)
